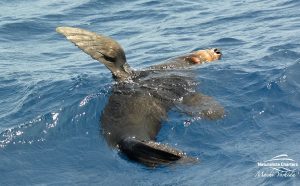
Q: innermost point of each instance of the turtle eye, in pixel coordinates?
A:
(217, 51)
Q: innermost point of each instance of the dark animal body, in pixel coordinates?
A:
(140, 101)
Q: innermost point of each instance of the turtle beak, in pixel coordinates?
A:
(217, 53)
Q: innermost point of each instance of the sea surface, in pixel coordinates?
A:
(52, 94)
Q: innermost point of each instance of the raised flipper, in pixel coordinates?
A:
(101, 48)
(195, 58)
(153, 153)
(197, 104)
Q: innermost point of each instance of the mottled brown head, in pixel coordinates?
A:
(207, 55)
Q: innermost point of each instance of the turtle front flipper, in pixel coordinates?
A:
(197, 104)
(101, 48)
(153, 153)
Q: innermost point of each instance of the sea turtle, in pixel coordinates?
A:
(140, 100)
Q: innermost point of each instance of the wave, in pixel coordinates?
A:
(69, 101)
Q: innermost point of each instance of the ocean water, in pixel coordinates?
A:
(52, 94)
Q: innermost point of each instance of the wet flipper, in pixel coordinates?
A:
(101, 48)
(197, 104)
(152, 153)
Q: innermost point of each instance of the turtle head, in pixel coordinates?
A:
(207, 55)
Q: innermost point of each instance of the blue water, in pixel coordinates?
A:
(52, 94)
